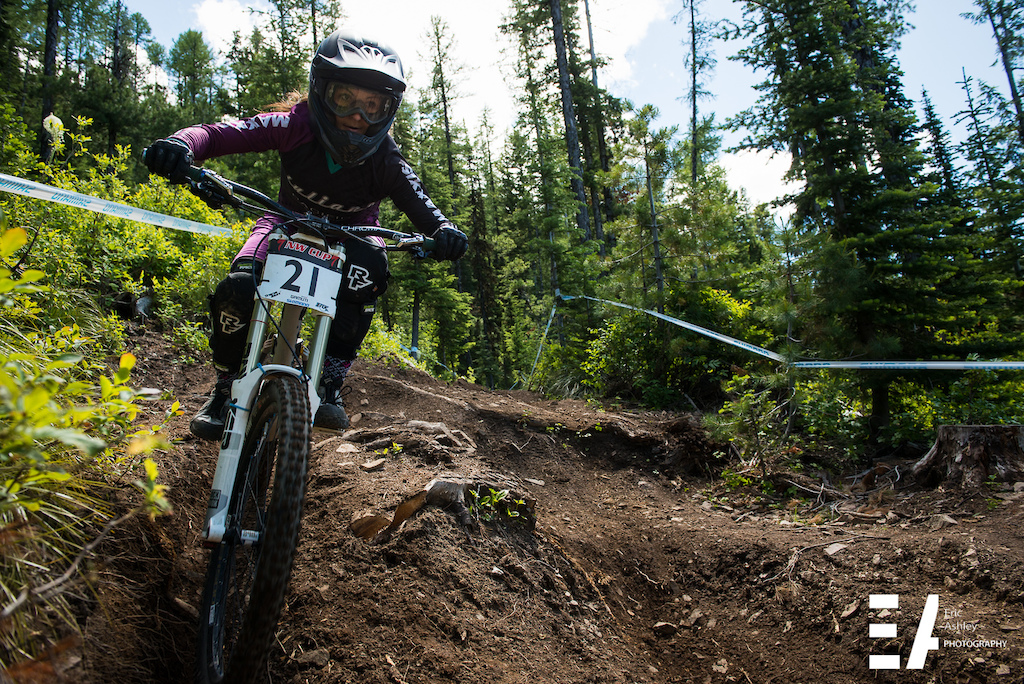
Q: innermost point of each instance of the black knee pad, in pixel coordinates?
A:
(230, 312)
(364, 277)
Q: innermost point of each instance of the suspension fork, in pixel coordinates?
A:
(243, 398)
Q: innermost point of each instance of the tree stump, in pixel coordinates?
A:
(970, 455)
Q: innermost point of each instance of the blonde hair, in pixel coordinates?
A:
(291, 99)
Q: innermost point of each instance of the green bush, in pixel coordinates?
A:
(626, 356)
(831, 412)
(379, 344)
(663, 365)
(975, 397)
(754, 418)
(106, 256)
(66, 435)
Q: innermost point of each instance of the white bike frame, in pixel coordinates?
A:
(245, 389)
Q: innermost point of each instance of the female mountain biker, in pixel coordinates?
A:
(338, 162)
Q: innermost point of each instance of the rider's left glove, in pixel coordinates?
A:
(170, 158)
(450, 244)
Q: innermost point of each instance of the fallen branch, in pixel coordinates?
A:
(817, 492)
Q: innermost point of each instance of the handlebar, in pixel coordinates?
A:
(218, 191)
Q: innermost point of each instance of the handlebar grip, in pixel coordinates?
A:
(196, 174)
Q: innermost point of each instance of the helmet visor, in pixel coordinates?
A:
(344, 99)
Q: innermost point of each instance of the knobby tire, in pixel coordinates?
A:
(246, 584)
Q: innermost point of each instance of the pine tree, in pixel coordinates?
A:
(994, 174)
(701, 62)
(833, 101)
(572, 142)
(1007, 22)
(108, 94)
(443, 88)
(49, 72)
(939, 154)
(593, 118)
(486, 252)
(191, 64)
(9, 61)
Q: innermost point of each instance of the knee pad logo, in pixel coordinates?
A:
(358, 278)
(230, 324)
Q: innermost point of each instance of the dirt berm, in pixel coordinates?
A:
(639, 567)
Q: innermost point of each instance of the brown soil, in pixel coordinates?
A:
(639, 569)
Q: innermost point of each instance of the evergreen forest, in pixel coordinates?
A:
(901, 244)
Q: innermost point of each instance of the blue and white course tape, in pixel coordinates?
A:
(860, 365)
(20, 186)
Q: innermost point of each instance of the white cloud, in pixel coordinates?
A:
(759, 173)
(154, 75)
(620, 27)
(219, 19)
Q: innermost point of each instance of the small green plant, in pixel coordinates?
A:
(754, 419)
(191, 340)
(717, 500)
(735, 480)
(496, 504)
(587, 433)
(379, 343)
(66, 436)
(395, 448)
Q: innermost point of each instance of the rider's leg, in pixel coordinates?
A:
(230, 311)
(364, 279)
(351, 324)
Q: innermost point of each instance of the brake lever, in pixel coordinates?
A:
(212, 189)
(417, 246)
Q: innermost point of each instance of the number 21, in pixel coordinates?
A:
(290, 283)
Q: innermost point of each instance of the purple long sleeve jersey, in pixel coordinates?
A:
(311, 181)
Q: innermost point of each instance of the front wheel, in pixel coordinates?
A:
(248, 572)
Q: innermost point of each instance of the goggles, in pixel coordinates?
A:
(344, 99)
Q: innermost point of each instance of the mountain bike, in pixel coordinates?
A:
(252, 523)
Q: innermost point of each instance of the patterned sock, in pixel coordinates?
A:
(335, 371)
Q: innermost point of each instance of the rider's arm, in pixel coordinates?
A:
(406, 190)
(408, 195)
(266, 131)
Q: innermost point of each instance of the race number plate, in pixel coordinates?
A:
(296, 273)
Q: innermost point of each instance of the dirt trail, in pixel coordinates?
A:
(638, 570)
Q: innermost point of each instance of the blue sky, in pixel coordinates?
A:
(643, 44)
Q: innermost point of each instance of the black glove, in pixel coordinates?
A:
(449, 243)
(170, 158)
